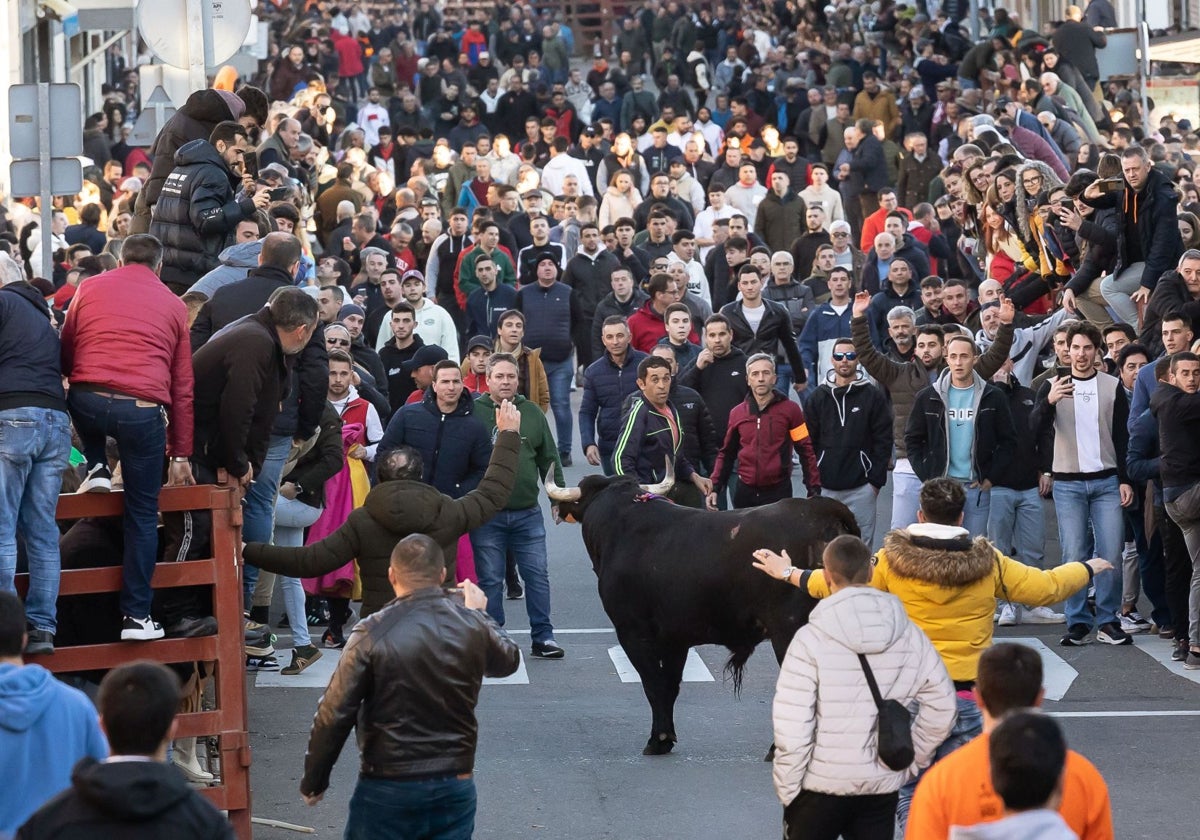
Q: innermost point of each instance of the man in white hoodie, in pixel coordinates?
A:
(828, 773)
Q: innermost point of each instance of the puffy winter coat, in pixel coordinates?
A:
(824, 714)
(196, 214)
(236, 262)
(605, 387)
(949, 585)
(761, 441)
(454, 447)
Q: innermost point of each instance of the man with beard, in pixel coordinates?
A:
(904, 380)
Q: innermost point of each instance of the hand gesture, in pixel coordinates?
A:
(358, 452)
(261, 199)
(179, 474)
(710, 501)
(473, 596)
(508, 419)
(1069, 217)
(1142, 295)
(1126, 495)
(705, 359)
(1068, 301)
(861, 301)
(773, 564)
(288, 490)
(592, 453)
(1061, 388)
(245, 480)
(1007, 310)
(311, 799)
(702, 483)
(1099, 564)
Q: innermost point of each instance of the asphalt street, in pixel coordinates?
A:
(560, 742)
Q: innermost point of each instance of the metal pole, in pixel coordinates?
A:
(46, 200)
(1144, 65)
(197, 77)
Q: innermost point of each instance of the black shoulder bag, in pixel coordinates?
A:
(894, 729)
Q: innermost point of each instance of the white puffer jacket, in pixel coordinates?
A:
(824, 715)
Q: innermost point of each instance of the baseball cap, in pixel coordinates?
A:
(427, 354)
(1002, 103)
(589, 131)
(479, 341)
(917, 92)
(412, 273)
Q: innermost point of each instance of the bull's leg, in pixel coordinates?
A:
(673, 660)
(645, 655)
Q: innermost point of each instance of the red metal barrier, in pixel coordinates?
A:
(223, 572)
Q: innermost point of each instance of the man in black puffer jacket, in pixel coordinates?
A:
(607, 382)
(202, 112)
(454, 445)
(198, 207)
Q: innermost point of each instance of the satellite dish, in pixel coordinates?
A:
(163, 26)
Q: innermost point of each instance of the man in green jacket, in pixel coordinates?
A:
(400, 505)
(519, 526)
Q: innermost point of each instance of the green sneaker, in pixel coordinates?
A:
(302, 657)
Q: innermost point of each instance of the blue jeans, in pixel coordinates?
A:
(975, 511)
(35, 446)
(141, 435)
(1090, 510)
(428, 809)
(783, 379)
(559, 375)
(968, 723)
(1016, 524)
(292, 516)
(524, 532)
(258, 507)
(906, 498)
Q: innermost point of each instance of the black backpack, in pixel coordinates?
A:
(894, 728)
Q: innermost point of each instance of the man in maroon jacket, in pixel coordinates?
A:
(763, 431)
(126, 351)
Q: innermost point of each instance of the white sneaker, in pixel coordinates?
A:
(98, 480)
(1042, 615)
(1008, 616)
(1133, 622)
(141, 630)
(184, 757)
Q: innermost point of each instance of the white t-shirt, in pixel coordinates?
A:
(754, 315)
(1087, 424)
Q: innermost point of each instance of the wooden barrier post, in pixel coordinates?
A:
(223, 572)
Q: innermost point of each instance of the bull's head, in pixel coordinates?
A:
(571, 502)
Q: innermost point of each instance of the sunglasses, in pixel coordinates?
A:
(840, 233)
(337, 342)
(848, 356)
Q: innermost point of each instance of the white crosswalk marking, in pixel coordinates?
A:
(517, 677)
(315, 675)
(1057, 675)
(694, 669)
(1160, 650)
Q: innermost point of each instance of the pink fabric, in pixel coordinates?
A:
(339, 501)
(464, 568)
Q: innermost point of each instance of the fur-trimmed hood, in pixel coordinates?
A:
(943, 555)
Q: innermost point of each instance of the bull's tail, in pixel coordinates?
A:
(736, 665)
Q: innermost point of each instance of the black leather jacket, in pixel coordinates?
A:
(409, 680)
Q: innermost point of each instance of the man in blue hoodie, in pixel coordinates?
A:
(45, 726)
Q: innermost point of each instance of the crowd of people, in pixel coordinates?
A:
(752, 238)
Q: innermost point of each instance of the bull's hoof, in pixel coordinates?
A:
(659, 745)
(770, 756)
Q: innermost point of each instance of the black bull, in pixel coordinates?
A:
(672, 577)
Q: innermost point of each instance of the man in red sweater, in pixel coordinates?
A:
(763, 430)
(648, 325)
(126, 352)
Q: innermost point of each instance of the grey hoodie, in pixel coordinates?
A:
(236, 262)
(1028, 825)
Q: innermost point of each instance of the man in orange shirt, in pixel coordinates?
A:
(958, 790)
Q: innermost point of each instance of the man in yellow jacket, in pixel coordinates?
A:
(949, 585)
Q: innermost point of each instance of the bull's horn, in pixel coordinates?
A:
(663, 487)
(560, 494)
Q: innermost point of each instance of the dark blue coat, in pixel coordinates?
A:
(605, 387)
(454, 447)
(485, 308)
(29, 351)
